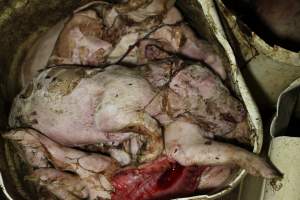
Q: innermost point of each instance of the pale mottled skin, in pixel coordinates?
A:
(31, 149)
(117, 99)
(89, 100)
(199, 94)
(81, 42)
(93, 170)
(77, 107)
(186, 144)
(93, 38)
(60, 184)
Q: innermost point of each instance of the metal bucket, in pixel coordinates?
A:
(201, 14)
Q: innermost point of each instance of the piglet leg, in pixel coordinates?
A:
(31, 150)
(185, 143)
(60, 184)
(95, 170)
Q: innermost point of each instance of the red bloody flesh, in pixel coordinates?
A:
(161, 179)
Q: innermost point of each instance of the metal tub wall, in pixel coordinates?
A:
(23, 21)
(267, 69)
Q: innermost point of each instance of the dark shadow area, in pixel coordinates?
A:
(245, 10)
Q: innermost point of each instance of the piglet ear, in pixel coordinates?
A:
(39, 53)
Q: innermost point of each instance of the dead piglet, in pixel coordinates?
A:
(77, 106)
